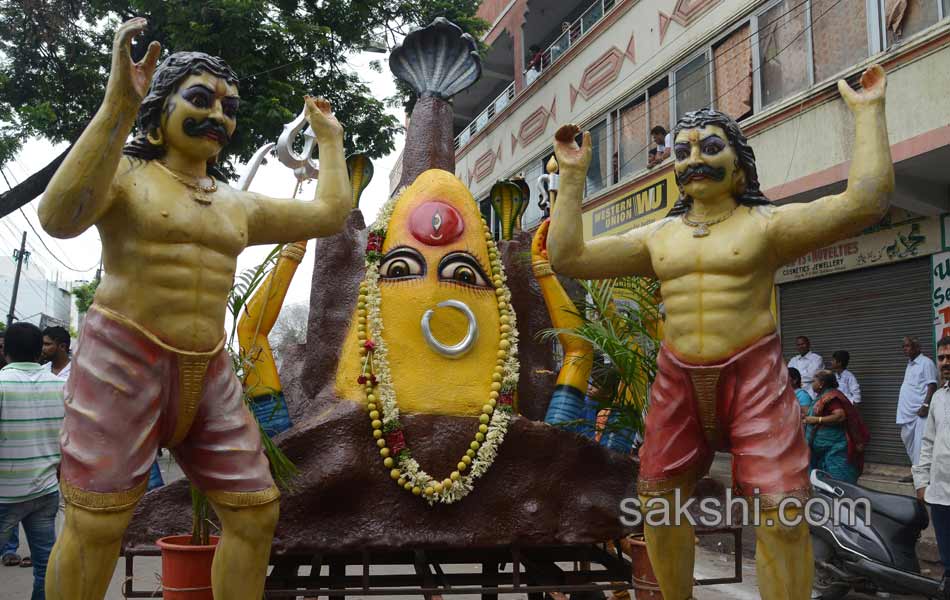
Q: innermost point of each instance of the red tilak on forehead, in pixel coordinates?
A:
(436, 224)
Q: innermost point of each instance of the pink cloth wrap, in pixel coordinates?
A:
(125, 399)
(743, 405)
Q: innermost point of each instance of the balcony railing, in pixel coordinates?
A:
(571, 35)
(497, 105)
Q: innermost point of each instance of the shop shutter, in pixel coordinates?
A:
(866, 312)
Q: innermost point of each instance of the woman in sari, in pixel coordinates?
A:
(795, 380)
(835, 431)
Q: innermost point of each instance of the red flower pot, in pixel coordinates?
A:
(644, 581)
(186, 569)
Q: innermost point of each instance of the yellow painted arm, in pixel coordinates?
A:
(258, 318)
(612, 256)
(578, 354)
(80, 191)
(802, 227)
(272, 220)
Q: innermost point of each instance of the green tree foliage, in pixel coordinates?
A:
(55, 56)
(83, 293)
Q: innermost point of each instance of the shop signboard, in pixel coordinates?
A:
(940, 285)
(900, 236)
(645, 204)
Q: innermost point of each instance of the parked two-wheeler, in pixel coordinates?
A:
(873, 552)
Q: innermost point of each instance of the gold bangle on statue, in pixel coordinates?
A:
(293, 252)
(542, 268)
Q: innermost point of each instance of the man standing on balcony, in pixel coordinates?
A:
(534, 65)
(721, 382)
(664, 143)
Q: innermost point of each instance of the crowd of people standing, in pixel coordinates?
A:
(833, 427)
(837, 436)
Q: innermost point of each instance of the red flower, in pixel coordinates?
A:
(506, 399)
(361, 380)
(372, 379)
(369, 345)
(396, 441)
(374, 243)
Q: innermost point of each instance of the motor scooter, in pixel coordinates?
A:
(866, 541)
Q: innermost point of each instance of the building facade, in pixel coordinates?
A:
(40, 300)
(620, 67)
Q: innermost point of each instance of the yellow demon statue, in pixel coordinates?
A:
(151, 369)
(721, 382)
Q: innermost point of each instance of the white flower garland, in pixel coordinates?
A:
(481, 454)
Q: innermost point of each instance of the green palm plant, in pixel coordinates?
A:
(619, 319)
(282, 469)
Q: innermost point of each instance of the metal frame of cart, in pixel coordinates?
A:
(535, 571)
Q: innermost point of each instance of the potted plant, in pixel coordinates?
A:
(186, 559)
(621, 320)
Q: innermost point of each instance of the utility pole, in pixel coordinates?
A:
(20, 256)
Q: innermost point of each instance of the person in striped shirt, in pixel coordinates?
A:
(31, 416)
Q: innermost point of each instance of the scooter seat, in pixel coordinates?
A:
(903, 509)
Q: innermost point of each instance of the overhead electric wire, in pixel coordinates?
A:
(752, 72)
(806, 28)
(650, 58)
(32, 206)
(53, 254)
(37, 233)
(679, 90)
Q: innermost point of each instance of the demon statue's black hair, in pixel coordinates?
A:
(752, 196)
(168, 76)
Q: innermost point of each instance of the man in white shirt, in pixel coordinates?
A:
(847, 382)
(807, 362)
(664, 145)
(932, 471)
(913, 404)
(56, 351)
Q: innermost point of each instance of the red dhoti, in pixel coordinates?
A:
(129, 393)
(743, 405)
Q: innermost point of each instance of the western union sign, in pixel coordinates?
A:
(646, 204)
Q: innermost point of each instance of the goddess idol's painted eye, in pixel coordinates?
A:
(402, 263)
(462, 268)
